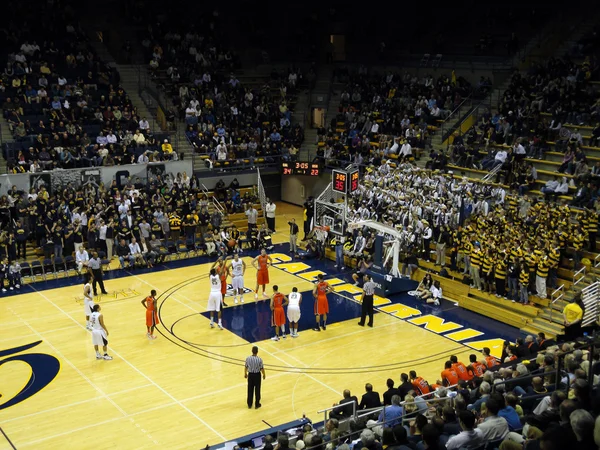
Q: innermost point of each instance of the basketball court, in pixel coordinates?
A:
(186, 389)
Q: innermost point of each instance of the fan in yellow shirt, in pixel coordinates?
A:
(573, 316)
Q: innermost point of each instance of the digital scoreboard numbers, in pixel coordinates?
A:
(300, 168)
(339, 181)
(353, 181)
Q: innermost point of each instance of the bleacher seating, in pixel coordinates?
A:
(65, 107)
(231, 121)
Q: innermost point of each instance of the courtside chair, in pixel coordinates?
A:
(182, 249)
(48, 267)
(26, 271)
(70, 265)
(37, 269)
(59, 266)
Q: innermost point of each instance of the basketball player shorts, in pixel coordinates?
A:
(293, 313)
(88, 306)
(99, 337)
(214, 301)
(237, 282)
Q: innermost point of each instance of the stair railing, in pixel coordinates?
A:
(578, 276)
(556, 295)
(216, 203)
(488, 176)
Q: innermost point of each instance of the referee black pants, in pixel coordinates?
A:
(98, 280)
(367, 310)
(254, 388)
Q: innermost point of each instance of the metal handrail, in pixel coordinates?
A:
(488, 176)
(578, 280)
(553, 300)
(331, 408)
(220, 209)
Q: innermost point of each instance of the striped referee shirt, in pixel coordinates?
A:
(94, 263)
(254, 364)
(369, 287)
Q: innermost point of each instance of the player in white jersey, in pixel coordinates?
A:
(99, 333)
(214, 299)
(293, 311)
(88, 300)
(237, 269)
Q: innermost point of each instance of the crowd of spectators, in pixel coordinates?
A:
(508, 245)
(223, 117)
(540, 112)
(522, 401)
(64, 106)
(140, 223)
(402, 107)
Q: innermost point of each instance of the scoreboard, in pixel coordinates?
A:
(345, 182)
(300, 168)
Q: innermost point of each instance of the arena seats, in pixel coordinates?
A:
(65, 107)
(230, 120)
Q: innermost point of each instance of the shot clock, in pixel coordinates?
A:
(339, 178)
(345, 182)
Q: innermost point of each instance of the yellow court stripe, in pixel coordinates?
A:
(463, 335)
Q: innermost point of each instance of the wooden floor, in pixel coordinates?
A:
(190, 391)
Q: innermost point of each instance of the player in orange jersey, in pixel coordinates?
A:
(420, 386)
(278, 301)
(220, 265)
(490, 360)
(449, 376)
(261, 263)
(460, 369)
(320, 292)
(151, 313)
(477, 368)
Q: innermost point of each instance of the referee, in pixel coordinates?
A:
(252, 370)
(95, 265)
(367, 301)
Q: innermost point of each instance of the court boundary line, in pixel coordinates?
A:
(68, 361)
(136, 369)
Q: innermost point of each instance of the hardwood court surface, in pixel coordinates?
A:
(186, 389)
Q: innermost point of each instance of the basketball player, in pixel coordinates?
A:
(278, 301)
(237, 269)
(88, 300)
(293, 311)
(320, 292)
(215, 298)
(99, 333)
(221, 267)
(261, 263)
(151, 313)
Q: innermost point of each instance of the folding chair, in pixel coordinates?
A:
(26, 271)
(36, 269)
(191, 247)
(172, 249)
(425, 59)
(438, 59)
(182, 249)
(48, 267)
(70, 265)
(59, 266)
